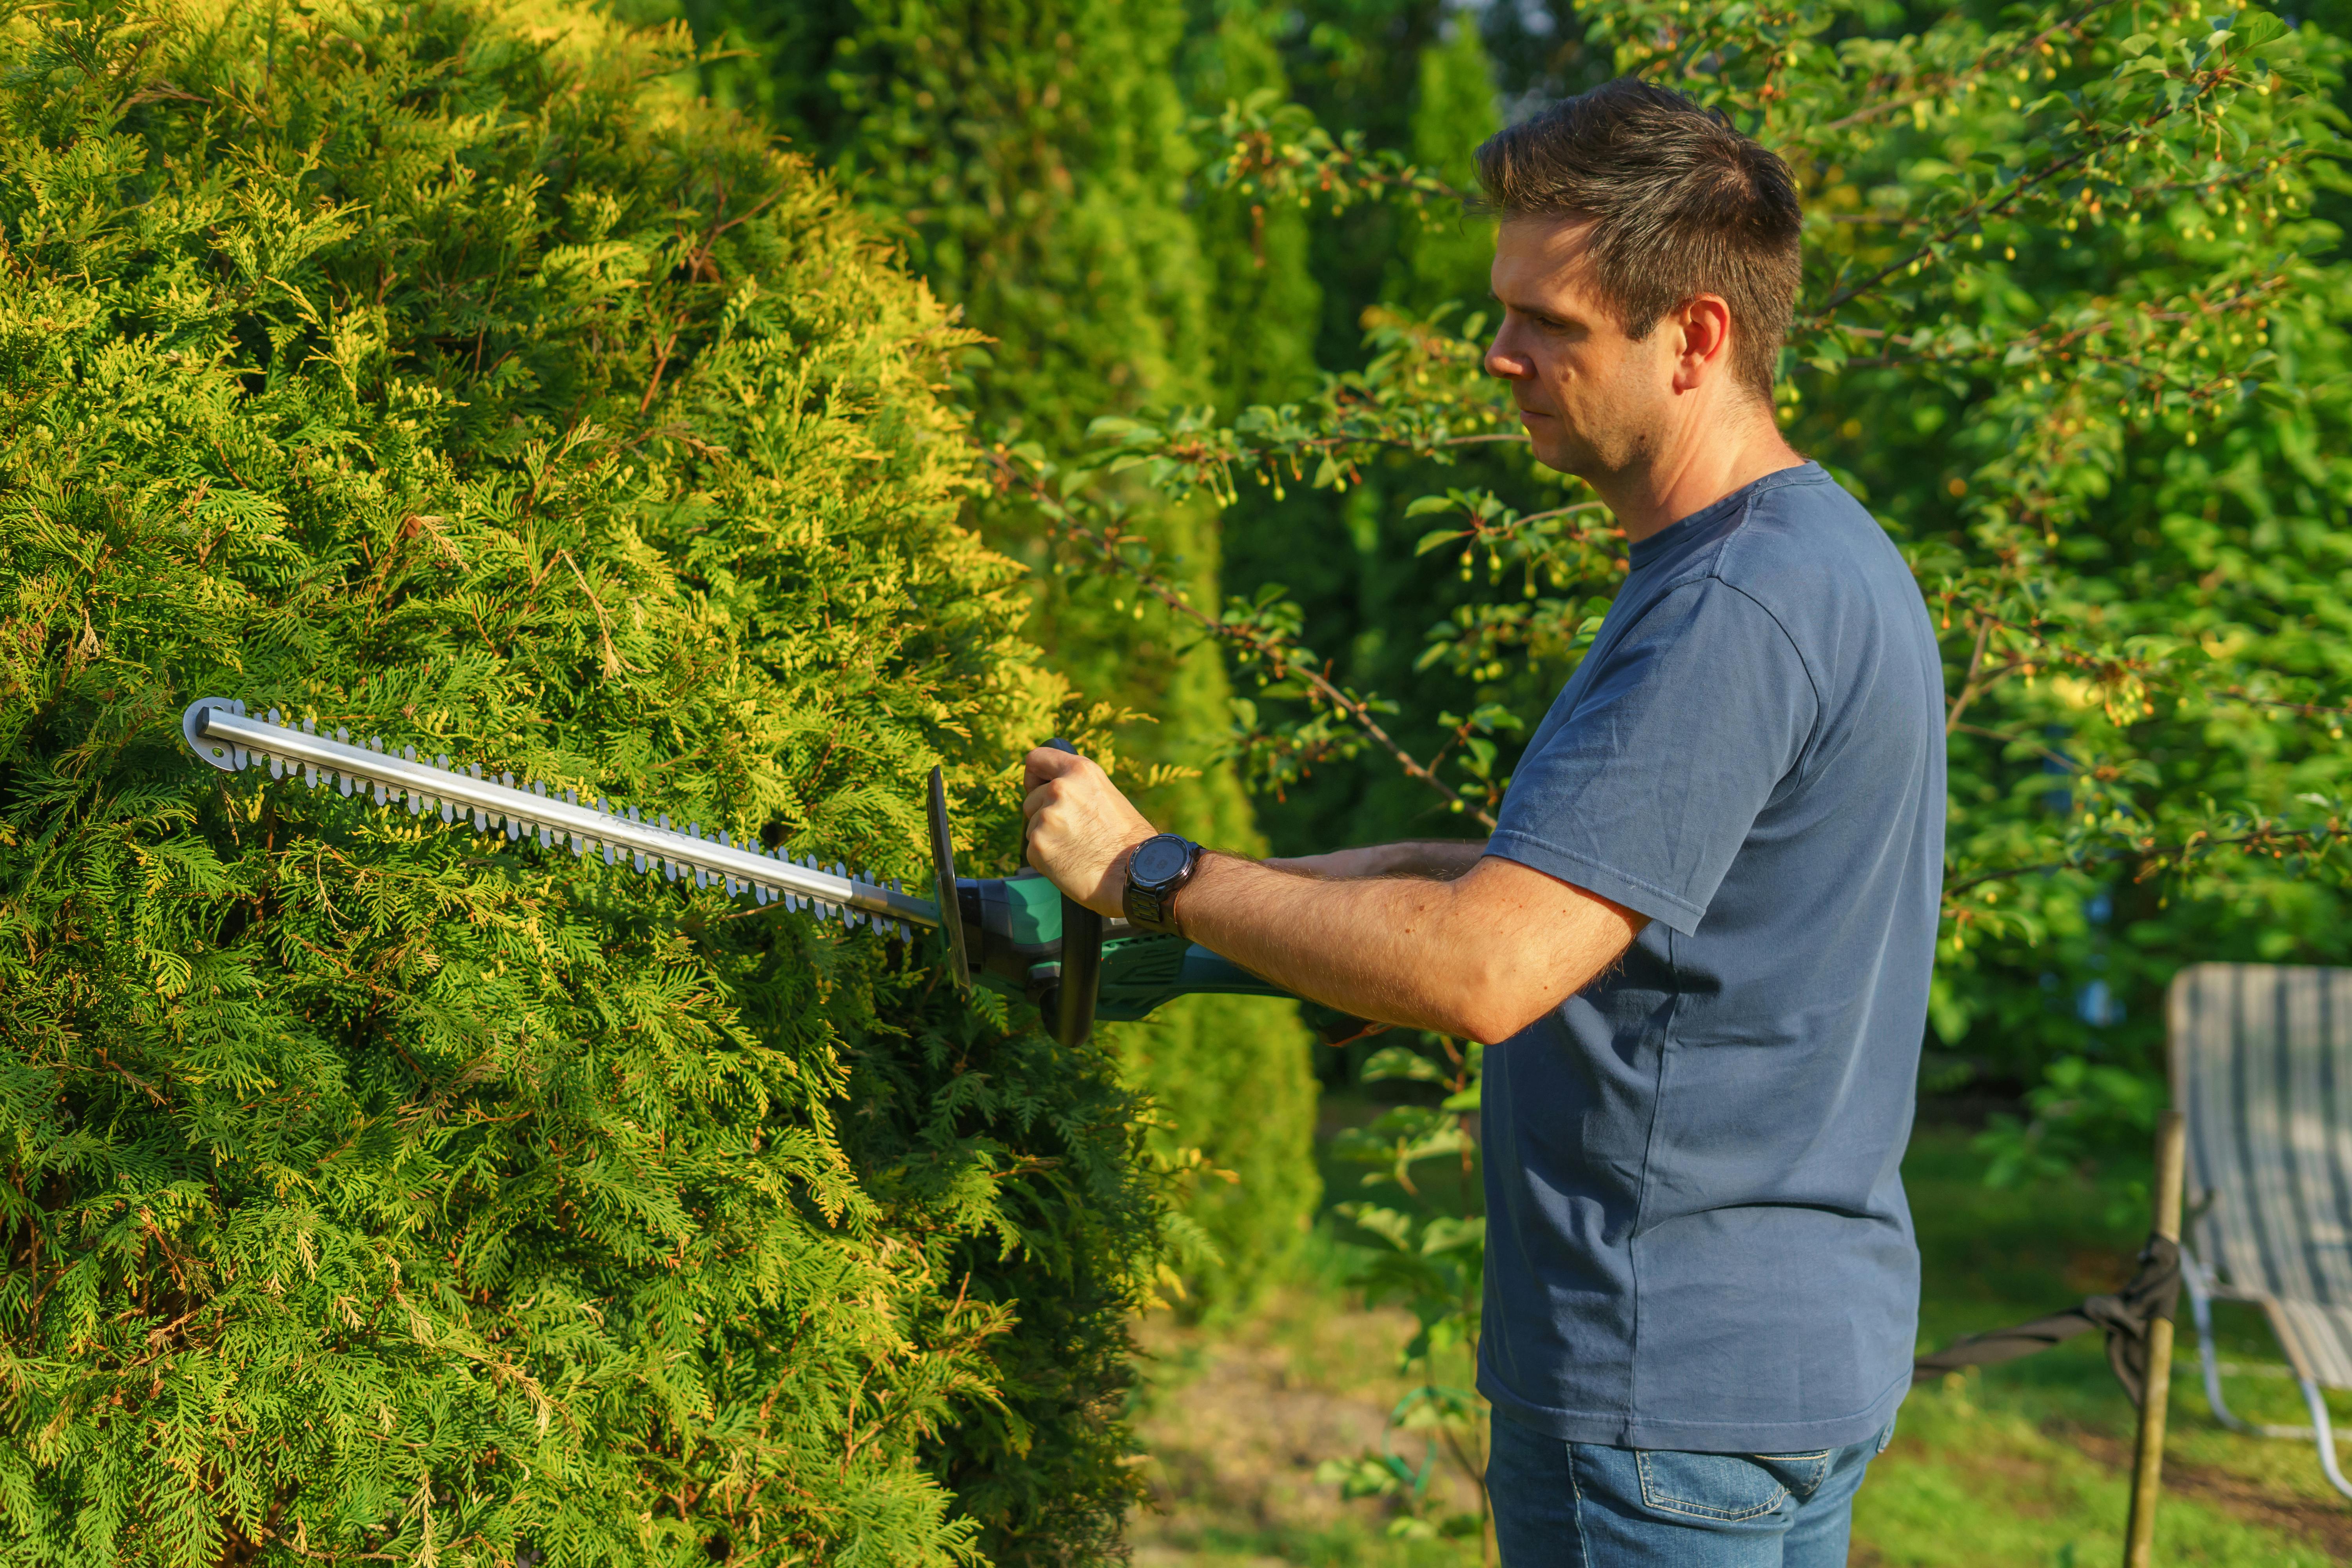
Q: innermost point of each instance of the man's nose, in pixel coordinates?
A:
(1503, 361)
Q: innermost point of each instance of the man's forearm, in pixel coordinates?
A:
(1440, 857)
(1479, 955)
(1482, 951)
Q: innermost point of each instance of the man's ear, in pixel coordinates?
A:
(1704, 323)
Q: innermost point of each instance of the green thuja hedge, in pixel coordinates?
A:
(374, 1192)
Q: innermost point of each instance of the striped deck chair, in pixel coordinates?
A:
(2261, 1067)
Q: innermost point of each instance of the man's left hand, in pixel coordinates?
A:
(1081, 828)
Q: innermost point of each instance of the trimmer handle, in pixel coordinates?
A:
(1073, 1004)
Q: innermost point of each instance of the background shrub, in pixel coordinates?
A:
(1036, 157)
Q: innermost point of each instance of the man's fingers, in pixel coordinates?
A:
(1040, 796)
(1045, 763)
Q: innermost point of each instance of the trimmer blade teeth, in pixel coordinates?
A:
(502, 803)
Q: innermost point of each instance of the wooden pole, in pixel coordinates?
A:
(2148, 1455)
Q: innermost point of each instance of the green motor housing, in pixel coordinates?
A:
(1012, 931)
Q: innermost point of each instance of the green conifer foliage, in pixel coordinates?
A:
(1265, 302)
(1404, 71)
(1037, 151)
(377, 1192)
(1455, 111)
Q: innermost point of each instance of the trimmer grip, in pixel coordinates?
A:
(1082, 945)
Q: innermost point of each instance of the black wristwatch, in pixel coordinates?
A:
(1154, 872)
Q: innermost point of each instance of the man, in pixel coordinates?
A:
(1699, 940)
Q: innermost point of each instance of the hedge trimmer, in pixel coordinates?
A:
(1017, 935)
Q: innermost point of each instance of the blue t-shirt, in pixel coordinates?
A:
(1696, 1232)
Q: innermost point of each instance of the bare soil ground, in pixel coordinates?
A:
(1236, 1423)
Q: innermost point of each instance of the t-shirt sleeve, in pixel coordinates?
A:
(1648, 787)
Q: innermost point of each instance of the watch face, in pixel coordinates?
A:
(1157, 860)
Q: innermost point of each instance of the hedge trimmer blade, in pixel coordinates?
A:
(218, 731)
(1017, 935)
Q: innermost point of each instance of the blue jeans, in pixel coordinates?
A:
(1579, 1505)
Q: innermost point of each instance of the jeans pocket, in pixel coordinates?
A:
(1727, 1487)
(1801, 1473)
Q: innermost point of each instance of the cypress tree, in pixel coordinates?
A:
(376, 1191)
(1264, 300)
(1453, 112)
(1038, 153)
(1411, 78)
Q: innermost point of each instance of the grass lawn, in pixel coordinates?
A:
(2023, 1463)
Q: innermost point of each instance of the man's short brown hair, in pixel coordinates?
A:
(1681, 204)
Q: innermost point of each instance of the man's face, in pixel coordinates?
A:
(1593, 401)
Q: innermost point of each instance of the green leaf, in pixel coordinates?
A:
(2253, 30)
